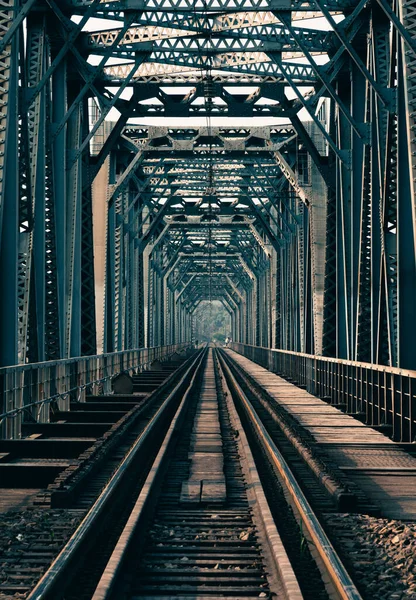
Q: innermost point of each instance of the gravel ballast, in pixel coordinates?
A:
(380, 554)
(29, 542)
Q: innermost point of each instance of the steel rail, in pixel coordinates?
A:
(108, 579)
(346, 500)
(50, 586)
(339, 577)
(106, 588)
(281, 562)
(150, 400)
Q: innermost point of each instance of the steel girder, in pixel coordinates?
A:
(305, 230)
(272, 206)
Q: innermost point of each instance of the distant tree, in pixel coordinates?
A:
(220, 338)
(212, 322)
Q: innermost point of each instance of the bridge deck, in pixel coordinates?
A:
(385, 472)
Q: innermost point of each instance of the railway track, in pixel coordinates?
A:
(31, 538)
(70, 458)
(196, 522)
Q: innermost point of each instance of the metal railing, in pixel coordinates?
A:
(380, 395)
(27, 392)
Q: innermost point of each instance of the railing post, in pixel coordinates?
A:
(13, 398)
(62, 383)
(44, 393)
(83, 380)
(106, 372)
(412, 409)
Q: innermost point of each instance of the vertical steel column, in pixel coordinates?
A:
(150, 304)
(39, 246)
(109, 312)
(52, 306)
(330, 292)
(141, 300)
(387, 342)
(58, 151)
(345, 205)
(28, 280)
(88, 316)
(405, 251)
(9, 197)
(359, 175)
(73, 234)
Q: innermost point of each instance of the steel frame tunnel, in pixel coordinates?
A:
(153, 156)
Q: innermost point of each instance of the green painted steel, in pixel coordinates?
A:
(256, 152)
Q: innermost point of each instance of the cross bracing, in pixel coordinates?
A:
(158, 154)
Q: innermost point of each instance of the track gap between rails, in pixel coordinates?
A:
(200, 551)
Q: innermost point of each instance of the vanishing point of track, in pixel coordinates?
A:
(193, 520)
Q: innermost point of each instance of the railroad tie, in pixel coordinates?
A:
(206, 482)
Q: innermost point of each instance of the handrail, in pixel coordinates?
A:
(329, 359)
(30, 389)
(75, 359)
(382, 396)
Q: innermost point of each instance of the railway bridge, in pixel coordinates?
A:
(207, 299)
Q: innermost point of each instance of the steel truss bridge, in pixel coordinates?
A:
(114, 229)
